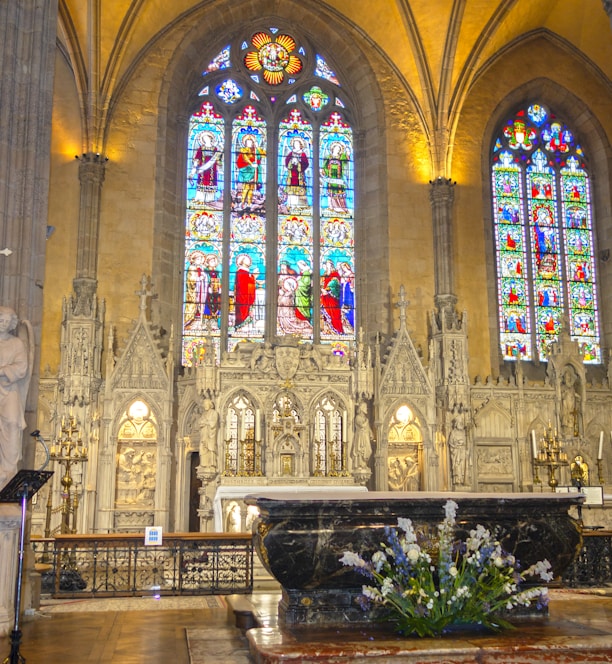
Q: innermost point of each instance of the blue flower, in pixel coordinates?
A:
(470, 581)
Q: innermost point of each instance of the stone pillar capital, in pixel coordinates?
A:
(442, 191)
(91, 168)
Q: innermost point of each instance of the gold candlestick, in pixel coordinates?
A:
(67, 451)
(551, 456)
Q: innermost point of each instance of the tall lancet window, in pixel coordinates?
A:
(544, 237)
(270, 199)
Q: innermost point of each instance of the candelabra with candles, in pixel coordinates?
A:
(68, 451)
(548, 454)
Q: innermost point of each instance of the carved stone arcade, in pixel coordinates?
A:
(165, 444)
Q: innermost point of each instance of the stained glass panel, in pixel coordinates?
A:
(264, 237)
(580, 266)
(222, 61)
(337, 260)
(295, 238)
(514, 300)
(322, 69)
(274, 57)
(203, 230)
(247, 270)
(229, 91)
(316, 98)
(538, 175)
(546, 264)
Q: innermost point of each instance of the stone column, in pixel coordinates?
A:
(27, 34)
(441, 196)
(27, 60)
(91, 177)
(80, 374)
(449, 336)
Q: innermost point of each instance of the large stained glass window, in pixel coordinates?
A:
(269, 225)
(543, 237)
(295, 218)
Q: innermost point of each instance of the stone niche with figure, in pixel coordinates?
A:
(405, 451)
(136, 467)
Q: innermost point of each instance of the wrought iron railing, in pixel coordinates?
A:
(122, 565)
(593, 566)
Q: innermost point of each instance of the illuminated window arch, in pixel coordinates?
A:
(269, 227)
(542, 210)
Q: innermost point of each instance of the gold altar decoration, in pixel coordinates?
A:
(548, 454)
(330, 461)
(243, 459)
(67, 451)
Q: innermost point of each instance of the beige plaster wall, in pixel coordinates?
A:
(128, 198)
(64, 194)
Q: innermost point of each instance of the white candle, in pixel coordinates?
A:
(534, 444)
(600, 453)
(257, 425)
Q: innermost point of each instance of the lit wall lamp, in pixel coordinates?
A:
(90, 156)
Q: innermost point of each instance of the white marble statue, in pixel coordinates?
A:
(457, 444)
(209, 424)
(15, 372)
(362, 444)
(569, 403)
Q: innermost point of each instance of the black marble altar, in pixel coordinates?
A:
(301, 540)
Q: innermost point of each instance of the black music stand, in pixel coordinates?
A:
(21, 488)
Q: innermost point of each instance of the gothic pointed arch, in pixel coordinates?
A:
(355, 62)
(402, 368)
(492, 420)
(330, 436)
(270, 197)
(404, 436)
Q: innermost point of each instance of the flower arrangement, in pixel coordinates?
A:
(469, 582)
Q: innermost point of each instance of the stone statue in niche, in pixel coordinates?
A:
(362, 443)
(209, 425)
(234, 519)
(457, 444)
(15, 373)
(570, 412)
(251, 515)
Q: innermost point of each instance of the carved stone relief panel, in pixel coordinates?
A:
(404, 451)
(136, 461)
(494, 461)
